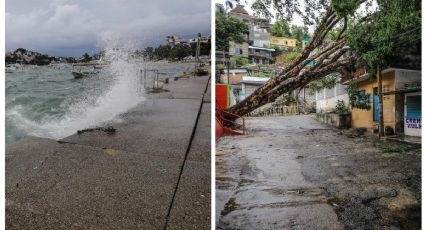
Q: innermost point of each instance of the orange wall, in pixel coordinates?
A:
(364, 118)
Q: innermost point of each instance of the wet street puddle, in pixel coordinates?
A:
(312, 192)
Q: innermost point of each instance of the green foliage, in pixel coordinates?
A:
(178, 52)
(220, 66)
(277, 51)
(391, 34)
(281, 29)
(162, 52)
(24, 56)
(298, 33)
(340, 107)
(358, 99)
(148, 53)
(326, 82)
(291, 56)
(333, 34)
(345, 7)
(388, 147)
(287, 99)
(265, 73)
(86, 57)
(229, 29)
(238, 61)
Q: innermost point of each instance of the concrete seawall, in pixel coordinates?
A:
(152, 173)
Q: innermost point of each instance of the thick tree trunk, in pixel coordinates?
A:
(328, 59)
(292, 82)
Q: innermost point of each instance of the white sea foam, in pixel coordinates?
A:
(124, 94)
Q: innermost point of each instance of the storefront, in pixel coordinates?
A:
(412, 114)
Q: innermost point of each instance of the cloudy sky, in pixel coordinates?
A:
(72, 27)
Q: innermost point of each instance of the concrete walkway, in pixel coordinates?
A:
(295, 173)
(153, 173)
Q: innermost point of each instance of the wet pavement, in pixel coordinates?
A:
(295, 173)
(152, 173)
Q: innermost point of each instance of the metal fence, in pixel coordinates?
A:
(274, 109)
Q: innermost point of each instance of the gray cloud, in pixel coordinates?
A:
(65, 27)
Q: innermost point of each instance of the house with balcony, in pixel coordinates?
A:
(260, 55)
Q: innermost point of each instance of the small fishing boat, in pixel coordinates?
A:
(79, 73)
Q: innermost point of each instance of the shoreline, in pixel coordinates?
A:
(154, 168)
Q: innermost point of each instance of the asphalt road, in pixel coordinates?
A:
(295, 173)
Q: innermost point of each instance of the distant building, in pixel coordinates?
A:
(250, 84)
(260, 55)
(240, 13)
(238, 49)
(235, 76)
(257, 46)
(256, 55)
(259, 36)
(221, 57)
(173, 40)
(283, 42)
(202, 40)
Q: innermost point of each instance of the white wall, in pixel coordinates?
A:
(326, 99)
(407, 78)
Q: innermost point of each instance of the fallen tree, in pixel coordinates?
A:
(328, 56)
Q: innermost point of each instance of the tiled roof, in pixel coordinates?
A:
(239, 9)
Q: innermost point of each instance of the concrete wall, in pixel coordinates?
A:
(244, 47)
(407, 78)
(248, 89)
(234, 78)
(326, 99)
(341, 121)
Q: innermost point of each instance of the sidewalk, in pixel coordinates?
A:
(153, 173)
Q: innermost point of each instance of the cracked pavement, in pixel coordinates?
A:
(295, 173)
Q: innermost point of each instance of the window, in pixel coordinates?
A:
(238, 51)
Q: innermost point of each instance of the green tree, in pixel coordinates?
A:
(86, 57)
(298, 32)
(148, 53)
(391, 35)
(162, 52)
(229, 29)
(180, 51)
(374, 34)
(292, 56)
(281, 29)
(238, 61)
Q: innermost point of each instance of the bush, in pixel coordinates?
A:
(291, 56)
(340, 107)
(238, 61)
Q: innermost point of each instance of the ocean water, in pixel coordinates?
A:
(48, 102)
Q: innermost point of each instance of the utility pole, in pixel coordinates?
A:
(198, 50)
(381, 103)
(228, 71)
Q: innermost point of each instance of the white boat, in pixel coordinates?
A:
(78, 72)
